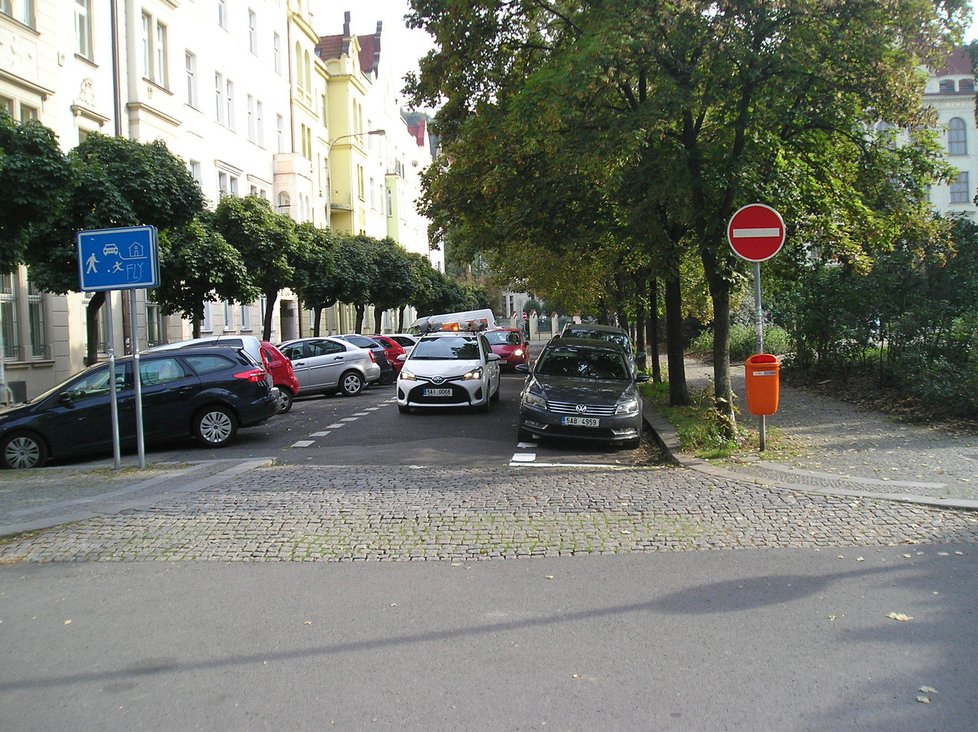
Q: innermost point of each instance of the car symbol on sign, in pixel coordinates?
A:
(110, 249)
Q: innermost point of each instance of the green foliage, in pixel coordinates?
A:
(33, 176)
(743, 342)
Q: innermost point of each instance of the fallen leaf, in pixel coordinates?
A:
(307, 622)
(923, 699)
(860, 559)
(67, 622)
(927, 690)
(900, 616)
(550, 576)
(393, 604)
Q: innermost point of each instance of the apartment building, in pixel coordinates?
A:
(237, 88)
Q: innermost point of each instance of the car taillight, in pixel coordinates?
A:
(372, 356)
(256, 376)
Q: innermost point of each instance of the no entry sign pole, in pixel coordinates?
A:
(756, 233)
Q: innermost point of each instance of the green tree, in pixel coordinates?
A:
(267, 243)
(391, 285)
(33, 175)
(197, 265)
(113, 182)
(355, 263)
(316, 274)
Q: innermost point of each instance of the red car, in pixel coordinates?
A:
(282, 375)
(392, 349)
(510, 345)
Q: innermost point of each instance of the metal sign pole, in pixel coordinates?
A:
(762, 429)
(137, 381)
(114, 398)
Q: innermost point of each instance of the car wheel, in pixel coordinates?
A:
(23, 450)
(523, 436)
(285, 398)
(387, 378)
(215, 426)
(495, 394)
(403, 409)
(351, 383)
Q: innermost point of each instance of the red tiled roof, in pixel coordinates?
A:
(417, 131)
(330, 47)
(959, 62)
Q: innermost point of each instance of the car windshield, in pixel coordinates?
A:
(620, 338)
(451, 349)
(503, 338)
(582, 363)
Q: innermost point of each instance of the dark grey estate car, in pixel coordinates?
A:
(582, 388)
(206, 393)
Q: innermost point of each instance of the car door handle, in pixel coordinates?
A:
(298, 363)
(185, 390)
(337, 358)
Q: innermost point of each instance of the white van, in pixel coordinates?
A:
(468, 320)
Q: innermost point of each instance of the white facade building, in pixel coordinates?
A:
(238, 91)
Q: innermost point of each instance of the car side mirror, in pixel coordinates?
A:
(642, 378)
(493, 356)
(522, 368)
(65, 399)
(402, 357)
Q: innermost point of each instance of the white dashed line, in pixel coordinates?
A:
(524, 457)
(335, 425)
(320, 434)
(526, 444)
(349, 419)
(303, 443)
(361, 414)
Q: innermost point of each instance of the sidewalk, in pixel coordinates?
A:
(843, 449)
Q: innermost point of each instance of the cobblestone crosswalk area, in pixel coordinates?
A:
(314, 513)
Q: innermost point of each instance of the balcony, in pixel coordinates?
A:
(341, 201)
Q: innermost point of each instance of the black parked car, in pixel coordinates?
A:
(582, 388)
(203, 393)
(387, 373)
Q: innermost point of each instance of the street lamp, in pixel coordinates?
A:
(329, 167)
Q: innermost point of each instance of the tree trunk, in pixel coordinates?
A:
(678, 390)
(722, 388)
(400, 318)
(653, 328)
(270, 298)
(360, 309)
(91, 326)
(316, 327)
(378, 317)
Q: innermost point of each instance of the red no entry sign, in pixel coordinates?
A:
(756, 232)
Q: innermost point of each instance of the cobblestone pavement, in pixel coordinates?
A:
(841, 447)
(285, 513)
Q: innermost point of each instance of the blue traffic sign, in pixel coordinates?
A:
(118, 259)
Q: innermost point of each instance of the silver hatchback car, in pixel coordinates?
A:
(327, 365)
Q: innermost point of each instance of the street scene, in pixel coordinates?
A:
(488, 366)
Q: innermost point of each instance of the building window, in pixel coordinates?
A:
(360, 191)
(195, 171)
(219, 96)
(35, 316)
(20, 10)
(222, 14)
(229, 99)
(252, 128)
(279, 133)
(154, 50)
(244, 316)
(228, 315)
(83, 28)
(8, 315)
(28, 113)
(957, 137)
(390, 203)
(259, 123)
(154, 324)
(966, 85)
(946, 86)
(227, 184)
(961, 189)
(191, 63)
(206, 322)
(252, 32)
(277, 52)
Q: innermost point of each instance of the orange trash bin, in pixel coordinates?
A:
(763, 384)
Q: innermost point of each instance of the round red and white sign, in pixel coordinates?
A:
(756, 232)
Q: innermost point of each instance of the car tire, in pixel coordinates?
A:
(387, 378)
(21, 450)
(403, 409)
(495, 394)
(215, 426)
(285, 398)
(351, 383)
(523, 436)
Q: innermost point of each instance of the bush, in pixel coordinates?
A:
(743, 342)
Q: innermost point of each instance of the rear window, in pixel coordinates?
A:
(209, 363)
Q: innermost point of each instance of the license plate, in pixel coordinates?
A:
(581, 421)
(437, 392)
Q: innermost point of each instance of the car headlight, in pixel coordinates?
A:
(473, 375)
(534, 400)
(627, 406)
(518, 352)
(407, 375)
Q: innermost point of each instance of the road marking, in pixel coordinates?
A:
(523, 457)
(349, 419)
(602, 466)
(526, 444)
(361, 414)
(303, 443)
(335, 425)
(320, 434)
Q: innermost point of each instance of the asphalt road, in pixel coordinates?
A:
(744, 640)
(368, 430)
